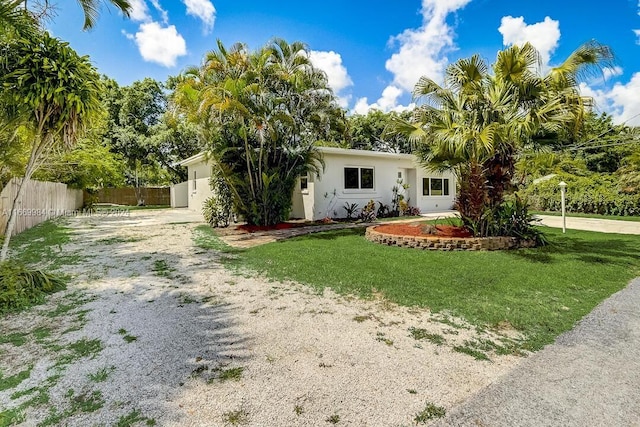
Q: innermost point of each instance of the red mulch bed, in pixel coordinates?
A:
(416, 229)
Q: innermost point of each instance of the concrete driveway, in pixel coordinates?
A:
(589, 377)
(592, 224)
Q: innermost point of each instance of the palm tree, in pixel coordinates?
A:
(12, 11)
(262, 113)
(478, 122)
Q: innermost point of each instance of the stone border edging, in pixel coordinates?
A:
(447, 243)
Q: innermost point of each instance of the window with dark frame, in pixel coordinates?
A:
(304, 182)
(351, 181)
(356, 178)
(195, 178)
(366, 178)
(435, 186)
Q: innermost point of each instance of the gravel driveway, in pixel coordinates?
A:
(154, 331)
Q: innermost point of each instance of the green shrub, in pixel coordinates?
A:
(217, 209)
(594, 194)
(512, 218)
(21, 288)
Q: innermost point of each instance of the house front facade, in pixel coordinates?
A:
(349, 177)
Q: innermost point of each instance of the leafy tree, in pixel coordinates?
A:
(603, 145)
(374, 131)
(150, 139)
(50, 93)
(479, 121)
(262, 114)
(89, 165)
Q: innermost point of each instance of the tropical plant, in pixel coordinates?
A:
(480, 120)
(397, 197)
(50, 93)
(384, 211)
(218, 209)
(21, 287)
(368, 213)
(12, 12)
(262, 113)
(350, 209)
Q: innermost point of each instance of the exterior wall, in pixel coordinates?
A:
(303, 200)
(180, 195)
(433, 203)
(326, 196)
(198, 188)
(330, 196)
(330, 193)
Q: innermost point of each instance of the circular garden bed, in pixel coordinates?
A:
(421, 235)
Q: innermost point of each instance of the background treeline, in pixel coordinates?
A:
(602, 170)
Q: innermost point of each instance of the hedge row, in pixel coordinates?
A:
(597, 194)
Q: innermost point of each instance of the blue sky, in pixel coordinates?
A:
(373, 51)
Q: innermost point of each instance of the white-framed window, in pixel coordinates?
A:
(358, 178)
(435, 186)
(304, 182)
(195, 180)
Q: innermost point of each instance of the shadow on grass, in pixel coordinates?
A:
(598, 248)
(332, 234)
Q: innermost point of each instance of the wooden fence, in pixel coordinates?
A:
(40, 201)
(127, 196)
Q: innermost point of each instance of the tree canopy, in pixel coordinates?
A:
(262, 114)
(478, 122)
(48, 92)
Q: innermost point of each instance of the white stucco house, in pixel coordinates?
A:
(349, 176)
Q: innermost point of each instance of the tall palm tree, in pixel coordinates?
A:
(263, 112)
(481, 118)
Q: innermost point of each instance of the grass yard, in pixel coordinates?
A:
(540, 292)
(42, 245)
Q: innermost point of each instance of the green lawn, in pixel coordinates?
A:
(42, 244)
(583, 215)
(541, 292)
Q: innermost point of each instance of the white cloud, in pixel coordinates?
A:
(423, 51)
(637, 33)
(203, 10)
(162, 45)
(139, 11)
(387, 102)
(621, 101)
(625, 101)
(611, 72)
(339, 79)
(544, 35)
(163, 13)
